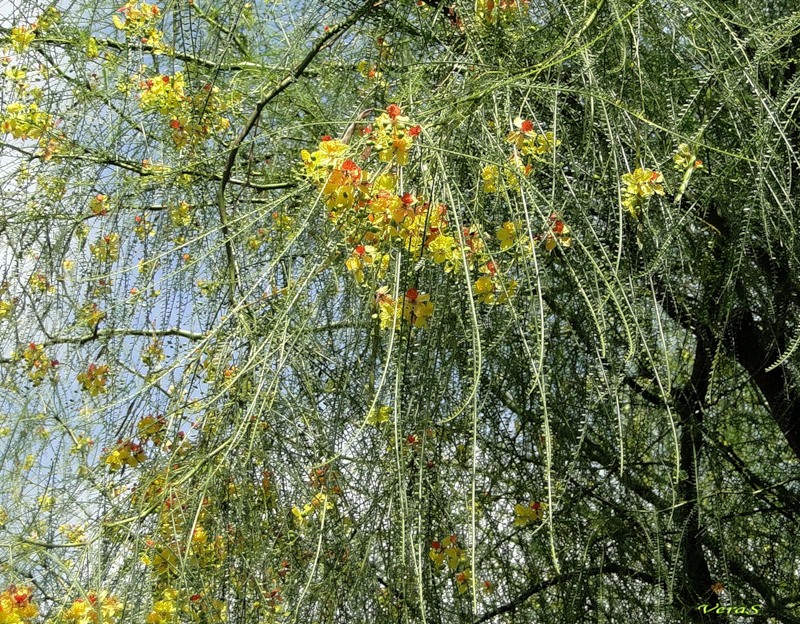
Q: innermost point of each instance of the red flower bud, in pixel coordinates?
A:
(394, 111)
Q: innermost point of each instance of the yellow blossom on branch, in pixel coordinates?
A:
(96, 607)
(106, 248)
(16, 606)
(163, 93)
(25, 121)
(527, 514)
(639, 186)
(21, 38)
(94, 379)
(392, 136)
(126, 453)
(379, 415)
(447, 551)
(136, 16)
(37, 363)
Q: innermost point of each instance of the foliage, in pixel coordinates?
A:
(383, 312)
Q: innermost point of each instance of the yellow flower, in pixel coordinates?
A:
(527, 514)
(444, 249)
(91, 315)
(106, 248)
(463, 579)
(490, 176)
(298, 515)
(639, 187)
(446, 551)
(137, 16)
(379, 415)
(181, 215)
(418, 308)
(25, 121)
(484, 289)
(164, 93)
(94, 379)
(21, 38)
(507, 235)
(392, 137)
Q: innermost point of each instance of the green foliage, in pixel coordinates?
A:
(393, 312)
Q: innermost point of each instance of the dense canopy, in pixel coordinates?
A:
(399, 312)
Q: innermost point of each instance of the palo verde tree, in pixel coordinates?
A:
(393, 312)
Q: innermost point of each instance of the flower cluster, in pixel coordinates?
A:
(415, 308)
(144, 228)
(379, 415)
(529, 142)
(639, 186)
(96, 607)
(530, 148)
(558, 233)
(22, 37)
(137, 17)
(370, 72)
(6, 308)
(153, 353)
(684, 158)
(513, 235)
(172, 607)
(528, 514)
(329, 158)
(99, 205)
(181, 215)
(26, 121)
(152, 428)
(320, 501)
(106, 249)
(37, 363)
(94, 379)
(490, 290)
(39, 283)
(392, 136)
(448, 551)
(126, 453)
(90, 315)
(199, 117)
(192, 117)
(164, 610)
(374, 217)
(163, 93)
(16, 606)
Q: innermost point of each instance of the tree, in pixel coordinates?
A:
(398, 312)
